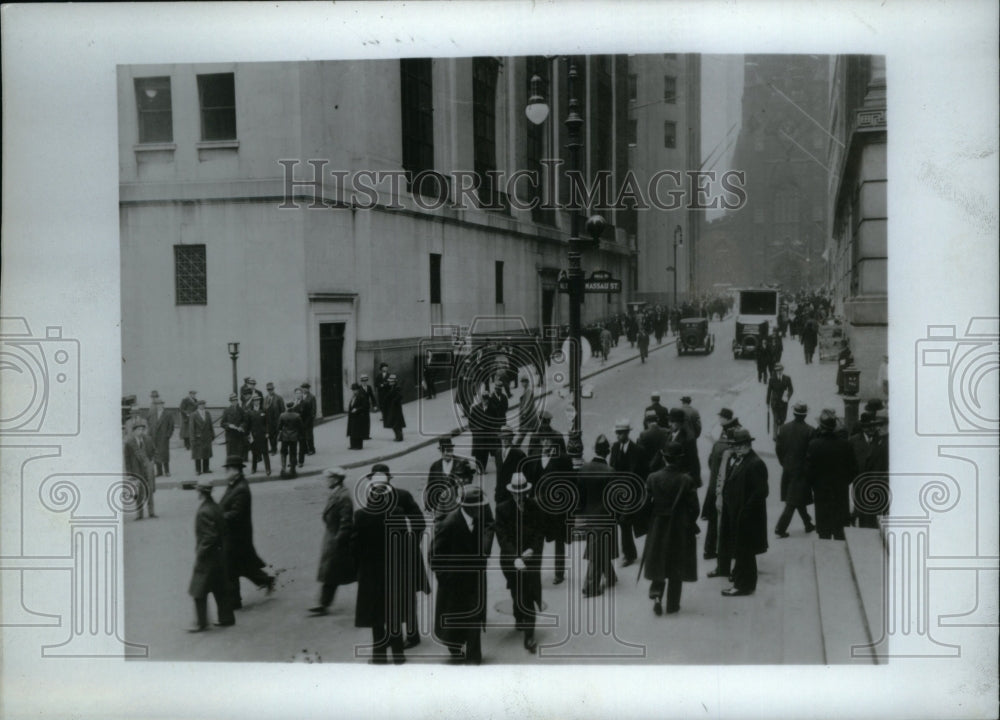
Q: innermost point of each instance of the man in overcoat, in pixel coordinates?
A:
(202, 436)
(779, 392)
(392, 408)
(235, 422)
(307, 410)
(358, 417)
(743, 531)
(830, 469)
(527, 412)
(793, 440)
(441, 491)
(257, 424)
(544, 430)
(251, 393)
(336, 565)
(692, 417)
(242, 559)
(556, 494)
(463, 542)
(274, 405)
(642, 339)
(161, 428)
(669, 556)
(631, 468)
(521, 535)
(871, 488)
(139, 464)
(709, 509)
(372, 401)
(209, 574)
(662, 414)
(652, 440)
(509, 461)
(680, 433)
(187, 407)
(290, 435)
(597, 520)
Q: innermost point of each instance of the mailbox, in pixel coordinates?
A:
(852, 380)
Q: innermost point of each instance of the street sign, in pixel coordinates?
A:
(600, 281)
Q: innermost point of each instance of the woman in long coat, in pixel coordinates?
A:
(670, 555)
(358, 418)
(336, 566)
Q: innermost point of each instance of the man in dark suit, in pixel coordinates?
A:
(520, 532)
(382, 384)
(252, 392)
(209, 574)
(597, 521)
(790, 447)
(463, 541)
(139, 464)
(236, 424)
(631, 468)
(274, 405)
(830, 468)
(693, 417)
(652, 440)
(499, 404)
(187, 407)
(307, 410)
(290, 435)
(681, 434)
(662, 414)
(202, 436)
(743, 530)
(441, 490)
(509, 461)
(544, 430)
(242, 559)
(372, 401)
(556, 491)
(161, 428)
(484, 436)
(779, 392)
(710, 511)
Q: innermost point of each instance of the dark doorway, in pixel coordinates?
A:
(331, 368)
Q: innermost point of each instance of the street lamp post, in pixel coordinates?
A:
(234, 352)
(537, 111)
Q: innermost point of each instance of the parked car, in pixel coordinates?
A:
(695, 337)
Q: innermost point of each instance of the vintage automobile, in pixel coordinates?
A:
(695, 337)
(757, 315)
(748, 337)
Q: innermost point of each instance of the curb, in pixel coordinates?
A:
(423, 443)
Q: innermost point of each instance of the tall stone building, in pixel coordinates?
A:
(252, 210)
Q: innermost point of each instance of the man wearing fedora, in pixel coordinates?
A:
(290, 435)
(358, 417)
(830, 468)
(509, 461)
(139, 464)
(274, 405)
(680, 433)
(597, 521)
(246, 399)
(370, 394)
(631, 468)
(779, 392)
(544, 430)
(743, 529)
(441, 491)
(236, 424)
(307, 410)
(336, 566)
(527, 412)
(202, 436)
(521, 535)
(209, 574)
(662, 414)
(555, 491)
(463, 542)
(710, 508)
(392, 408)
(242, 559)
(187, 407)
(257, 425)
(652, 440)
(669, 556)
(871, 488)
(790, 447)
(692, 417)
(161, 428)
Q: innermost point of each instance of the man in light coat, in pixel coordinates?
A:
(336, 565)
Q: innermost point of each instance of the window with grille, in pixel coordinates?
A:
(669, 89)
(152, 98)
(418, 116)
(669, 134)
(217, 98)
(190, 278)
(484, 111)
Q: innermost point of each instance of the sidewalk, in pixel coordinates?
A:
(427, 420)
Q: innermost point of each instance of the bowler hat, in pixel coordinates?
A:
(305, 386)
(726, 414)
(518, 483)
(472, 496)
(677, 415)
(445, 442)
(463, 470)
(740, 437)
(203, 483)
(154, 394)
(235, 461)
(778, 366)
(673, 452)
(655, 395)
(800, 409)
(686, 399)
(381, 468)
(828, 419)
(270, 386)
(364, 377)
(874, 405)
(233, 396)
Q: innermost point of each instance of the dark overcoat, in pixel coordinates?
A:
(358, 417)
(743, 525)
(257, 424)
(209, 574)
(830, 469)
(556, 492)
(388, 581)
(274, 405)
(790, 447)
(201, 436)
(236, 424)
(519, 530)
(594, 479)
(139, 462)
(290, 426)
(187, 408)
(708, 508)
(336, 566)
(458, 559)
(161, 427)
(631, 468)
(535, 444)
(691, 462)
(671, 548)
(652, 440)
(392, 408)
(237, 508)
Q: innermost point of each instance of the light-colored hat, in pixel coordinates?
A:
(335, 472)
(379, 478)
(800, 409)
(622, 424)
(203, 483)
(518, 483)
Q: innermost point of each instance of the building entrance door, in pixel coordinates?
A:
(331, 368)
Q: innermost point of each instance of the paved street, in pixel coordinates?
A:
(616, 627)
